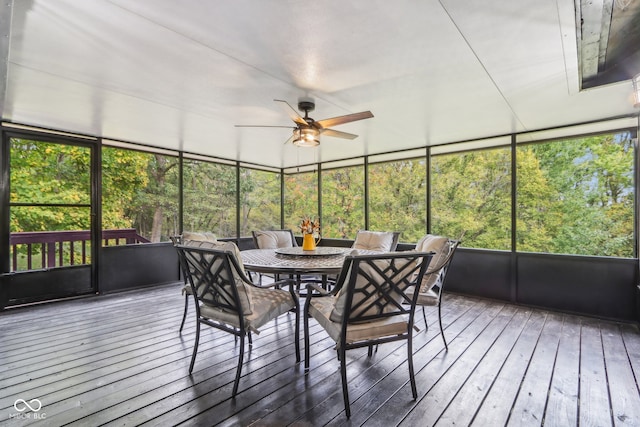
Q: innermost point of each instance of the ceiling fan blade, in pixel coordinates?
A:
(327, 123)
(337, 134)
(292, 112)
(264, 126)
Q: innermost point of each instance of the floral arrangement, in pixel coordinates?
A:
(309, 226)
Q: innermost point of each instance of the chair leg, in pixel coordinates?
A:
(424, 316)
(343, 373)
(305, 321)
(446, 347)
(370, 352)
(250, 339)
(186, 307)
(297, 332)
(239, 370)
(412, 376)
(195, 346)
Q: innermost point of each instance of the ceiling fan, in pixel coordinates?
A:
(307, 132)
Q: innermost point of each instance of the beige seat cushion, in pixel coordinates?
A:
(373, 240)
(273, 239)
(267, 305)
(201, 237)
(427, 298)
(439, 245)
(245, 302)
(320, 308)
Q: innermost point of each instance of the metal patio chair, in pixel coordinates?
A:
(369, 305)
(432, 285)
(227, 300)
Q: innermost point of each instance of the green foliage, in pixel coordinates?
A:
(47, 173)
(398, 198)
(210, 198)
(122, 178)
(342, 202)
(574, 196)
(585, 206)
(301, 199)
(259, 201)
(154, 207)
(471, 194)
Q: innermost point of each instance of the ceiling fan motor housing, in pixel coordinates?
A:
(306, 106)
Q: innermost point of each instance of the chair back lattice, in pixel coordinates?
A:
(376, 285)
(213, 275)
(440, 268)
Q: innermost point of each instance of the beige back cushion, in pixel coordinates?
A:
(439, 245)
(370, 295)
(240, 284)
(273, 239)
(199, 237)
(373, 240)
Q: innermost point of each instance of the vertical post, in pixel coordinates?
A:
(514, 256)
(96, 213)
(4, 204)
(238, 202)
(366, 192)
(319, 192)
(281, 198)
(636, 219)
(427, 188)
(180, 192)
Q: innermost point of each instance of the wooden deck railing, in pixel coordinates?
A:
(58, 248)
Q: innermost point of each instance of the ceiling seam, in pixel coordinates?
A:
(238, 60)
(204, 45)
(482, 65)
(119, 92)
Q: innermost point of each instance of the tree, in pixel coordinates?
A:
(342, 202)
(397, 197)
(471, 194)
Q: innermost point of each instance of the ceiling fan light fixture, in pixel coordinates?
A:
(306, 137)
(636, 90)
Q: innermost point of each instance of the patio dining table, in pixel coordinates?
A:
(324, 260)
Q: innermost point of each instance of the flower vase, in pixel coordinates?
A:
(308, 242)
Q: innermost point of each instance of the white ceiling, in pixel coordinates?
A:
(181, 74)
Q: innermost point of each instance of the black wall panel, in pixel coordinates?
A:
(42, 285)
(481, 273)
(603, 287)
(137, 266)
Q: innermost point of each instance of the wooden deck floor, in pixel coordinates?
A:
(119, 360)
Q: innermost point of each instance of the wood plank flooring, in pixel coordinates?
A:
(119, 360)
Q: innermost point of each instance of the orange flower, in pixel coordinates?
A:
(309, 226)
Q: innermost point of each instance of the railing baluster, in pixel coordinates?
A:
(15, 257)
(51, 256)
(51, 245)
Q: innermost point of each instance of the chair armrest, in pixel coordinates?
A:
(316, 290)
(273, 284)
